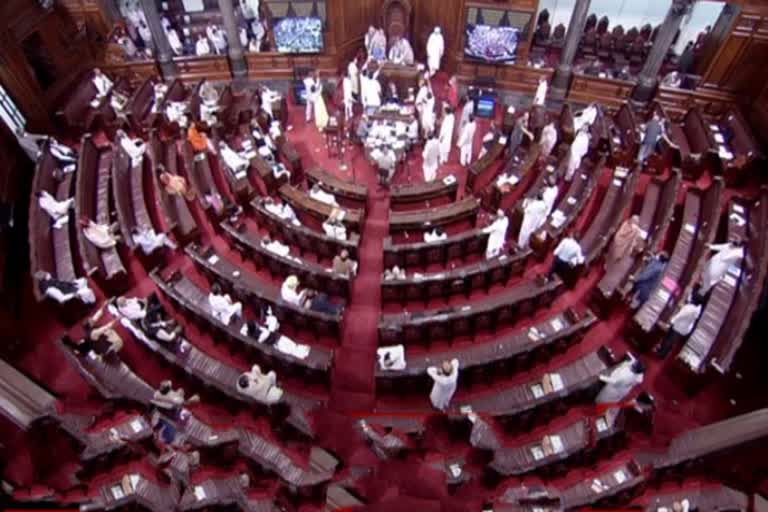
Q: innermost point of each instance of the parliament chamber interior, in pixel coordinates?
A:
(383, 255)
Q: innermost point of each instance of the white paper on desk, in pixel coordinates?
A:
(690, 228)
(342, 215)
(537, 390)
(134, 478)
(556, 380)
(597, 486)
(288, 346)
(557, 443)
(724, 153)
(455, 470)
(117, 492)
(719, 138)
(601, 424)
(617, 183)
(533, 334)
(556, 323)
(571, 201)
(465, 409)
(537, 452)
(502, 140)
(136, 425)
(621, 172)
(417, 275)
(663, 295)
(213, 259)
(735, 271)
(200, 492)
(616, 140)
(250, 155)
(730, 281)
(714, 128)
(550, 168)
(396, 354)
(738, 209)
(620, 476)
(450, 179)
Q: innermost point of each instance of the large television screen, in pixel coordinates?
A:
(491, 44)
(299, 35)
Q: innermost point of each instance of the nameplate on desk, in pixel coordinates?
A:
(719, 138)
(449, 180)
(534, 334)
(136, 425)
(200, 493)
(620, 476)
(571, 201)
(556, 323)
(730, 281)
(557, 443)
(213, 259)
(601, 425)
(556, 381)
(714, 128)
(690, 228)
(502, 140)
(117, 492)
(537, 452)
(537, 390)
(738, 209)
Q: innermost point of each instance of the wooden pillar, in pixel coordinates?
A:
(562, 78)
(235, 51)
(648, 78)
(163, 52)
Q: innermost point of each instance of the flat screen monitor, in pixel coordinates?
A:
(491, 44)
(299, 35)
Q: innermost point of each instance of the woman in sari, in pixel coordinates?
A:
(321, 112)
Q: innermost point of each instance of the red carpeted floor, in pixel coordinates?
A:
(47, 458)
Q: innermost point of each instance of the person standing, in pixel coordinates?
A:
(725, 255)
(435, 51)
(654, 130)
(647, 279)
(579, 148)
(353, 73)
(568, 255)
(497, 235)
(628, 239)
(431, 156)
(349, 98)
(548, 140)
(534, 216)
(446, 134)
(312, 86)
(540, 98)
(682, 324)
(466, 140)
(445, 380)
(621, 381)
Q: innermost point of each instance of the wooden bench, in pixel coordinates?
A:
(313, 275)
(623, 141)
(523, 168)
(302, 202)
(302, 237)
(619, 482)
(336, 186)
(140, 104)
(477, 169)
(22, 401)
(92, 203)
(501, 308)
(130, 202)
(738, 139)
(239, 184)
(222, 492)
(460, 280)
(418, 192)
(566, 125)
(258, 164)
(694, 146)
(193, 301)
(423, 253)
(656, 214)
(199, 175)
(252, 290)
(577, 378)
(133, 428)
(77, 110)
(481, 361)
(700, 496)
(423, 220)
(178, 216)
(699, 224)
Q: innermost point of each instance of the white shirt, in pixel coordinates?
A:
(432, 236)
(444, 386)
(321, 195)
(103, 84)
(685, 319)
(290, 295)
(278, 248)
(569, 250)
(202, 47)
(132, 309)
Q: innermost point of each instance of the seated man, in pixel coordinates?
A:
(289, 291)
(172, 400)
(645, 282)
(343, 264)
(134, 148)
(394, 273)
(281, 210)
(159, 90)
(222, 305)
(320, 303)
(318, 194)
(262, 388)
(64, 291)
(57, 210)
(149, 241)
(103, 86)
(175, 185)
(234, 161)
(176, 112)
(101, 235)
(275, 246)
(334, 228)
(266, 333)
(106, 341)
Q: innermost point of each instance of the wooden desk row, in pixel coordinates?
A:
(462, 245)
(226, 492)
(423, 220)
(498, 354)
(130, 202)
(446, 323)
(248, 288)
(22, 401)
(336, 186)
(315, 276)
(425, 191)
(303, 237)
(302, 202)
(460, 280)
(479, 167)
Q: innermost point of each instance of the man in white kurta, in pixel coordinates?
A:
(135, 148)
(421, 97)
(174, 41)
(218, 39)
(354, 76)
(236, 163)
(57, 210)
(349, 97)
(435, 50)
(620, 382)
(312, 86)
(725, 255)
(223, 308)
(445, 380)
(446, 135)
(431, 156)
(534, 216)
(150, 241)
(428, 116)
(548, 139)
(497, 235)
(541, 92)
(202, 47)
(579, 148)
(465, 141)
(549, 195)
(585, 119)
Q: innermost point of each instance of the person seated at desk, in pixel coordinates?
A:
(64, 291)
(289, 291)
(150, 241)
(236, 163)
(547, 140)
(568, 255)
(318, 194)
(209, 103)
(104, 339)
(159, 91)
(386, 161)
(621, 381)
(133, 147)
(435, 235)
(100, 235)
(57, 210)
(202, 46)
(445, 380)
(320, 303)
(217, 37)
(199, 140)
(343, 264)
(647, 279)
(401, 52)
(262, 388)
(175, 185)
(392, 96)
(222, 305)
(275, 246)
(394, 273)
(268, 98)
(281, 210)
(726, 255)
(172, 400)
(266, 333)
(176, 112)
(334, 228)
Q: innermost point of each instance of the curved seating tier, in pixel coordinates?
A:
(301, 202)
(198, 170)
(466, 209)
(338, 187)
(130, 201)
(418, 192)
(22, 401)
(423, 253)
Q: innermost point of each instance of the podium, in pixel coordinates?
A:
(403, 76)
